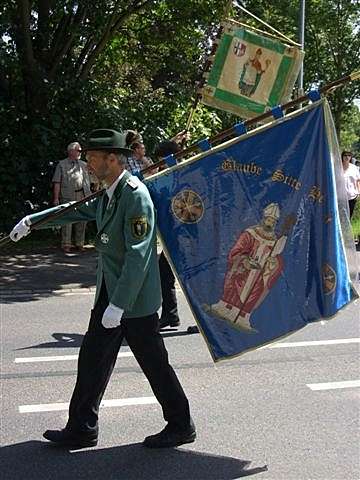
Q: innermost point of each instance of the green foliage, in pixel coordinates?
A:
(350, 133)
(47, 100)
(332, 43)
(66, 68)
(355, 221)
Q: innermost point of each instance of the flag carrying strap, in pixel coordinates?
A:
(314, 95)
(240, 128)
(277, 112)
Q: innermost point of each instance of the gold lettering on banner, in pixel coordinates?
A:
(231, 165)
(281, 177)
(315, 194)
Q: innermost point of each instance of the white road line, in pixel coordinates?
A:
(313, 343)
(61, 358)
(334, 385)
(117, 402)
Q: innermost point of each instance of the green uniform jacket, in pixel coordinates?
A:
(126, 242)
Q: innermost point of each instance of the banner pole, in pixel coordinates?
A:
(325, 90)
(57, 214)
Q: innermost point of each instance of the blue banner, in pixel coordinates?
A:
(252, 230)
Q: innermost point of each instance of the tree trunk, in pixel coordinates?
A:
(36, 97)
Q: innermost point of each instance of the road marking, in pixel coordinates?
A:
(117, 402)
(334, 385)
(313, 343)
(60, 358)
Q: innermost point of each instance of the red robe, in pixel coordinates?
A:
(246, 288)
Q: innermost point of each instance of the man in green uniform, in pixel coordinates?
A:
(126, 302)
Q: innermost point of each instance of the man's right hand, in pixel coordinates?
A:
(21, 229)
(56, 202)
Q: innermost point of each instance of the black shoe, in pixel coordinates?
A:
(167, 322)
(193, 329)
(66, 438)
(167, 438)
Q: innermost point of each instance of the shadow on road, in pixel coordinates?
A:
(62, 340)
(34, 276)
(35, 460)
(74, 340)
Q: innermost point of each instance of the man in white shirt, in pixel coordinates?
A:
(352, 180)
(71, 182)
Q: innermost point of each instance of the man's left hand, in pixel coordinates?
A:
(112, 316)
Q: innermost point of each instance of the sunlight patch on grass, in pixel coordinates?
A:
(355, 224)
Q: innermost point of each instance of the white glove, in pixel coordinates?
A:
(112, 316)
(21, 229)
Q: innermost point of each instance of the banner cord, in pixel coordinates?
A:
(258, 30)
(265, 24)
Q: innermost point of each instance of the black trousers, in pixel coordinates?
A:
(352, 204)
(167, 278)
(97, 358)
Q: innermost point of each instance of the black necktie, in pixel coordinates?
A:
(105, 203)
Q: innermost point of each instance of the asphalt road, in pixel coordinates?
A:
(256, 415)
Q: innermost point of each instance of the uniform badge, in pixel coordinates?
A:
(139, 227)
(104, 238)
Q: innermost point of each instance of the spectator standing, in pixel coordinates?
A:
(352, 180)
(71, 182)
(169, 312)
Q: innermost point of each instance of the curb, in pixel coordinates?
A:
(74, 290)
(4, 294)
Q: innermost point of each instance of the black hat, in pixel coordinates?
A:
(105, 139)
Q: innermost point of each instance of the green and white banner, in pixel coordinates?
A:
(251, 72)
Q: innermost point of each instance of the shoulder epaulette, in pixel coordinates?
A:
(132, 184)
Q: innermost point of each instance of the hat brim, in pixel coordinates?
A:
(125, 151)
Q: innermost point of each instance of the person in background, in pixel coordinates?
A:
(352, 179)
(138, 161)
(132, 136)
(71, 182)
(169, 313)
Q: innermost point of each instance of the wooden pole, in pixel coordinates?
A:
(57, 214)
(225, 134)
